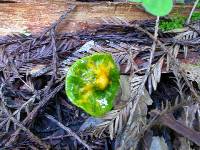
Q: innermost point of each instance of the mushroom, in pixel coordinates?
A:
(92, 83)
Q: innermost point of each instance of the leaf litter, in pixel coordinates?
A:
(158, 102)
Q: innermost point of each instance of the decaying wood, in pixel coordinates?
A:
(34, 17)
(169, 121)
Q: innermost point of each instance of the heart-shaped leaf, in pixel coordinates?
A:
(156, 7)
(92, 83)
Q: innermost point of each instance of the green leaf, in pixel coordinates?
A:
(92, 83)
(158, 7)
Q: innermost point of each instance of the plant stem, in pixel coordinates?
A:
(148, 71)
(193, 9)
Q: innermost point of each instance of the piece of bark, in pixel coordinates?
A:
(169, 121)
(34, 17)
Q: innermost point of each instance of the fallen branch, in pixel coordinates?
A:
(27, 121)
(68, 130)
(193, 9)
(169, 121)
(21, 126)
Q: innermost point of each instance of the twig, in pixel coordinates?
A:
(141, 88)
(154, 42)
(68, 130)
(15, 121)
(196, 30)
(31, 100)
(54, 25)
(46, 99)
(55, 137)
(29, 133)
(174, 61)
(55, 56)
(193, 9)
(156, 119)
(58, 110)
(34, 113)
(169, 121)
(14, 69)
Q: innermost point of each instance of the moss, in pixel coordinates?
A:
(196, 16)
(198, 5)
(178, 21)
(173, 23)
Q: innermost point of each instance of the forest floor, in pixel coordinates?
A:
(159, 100)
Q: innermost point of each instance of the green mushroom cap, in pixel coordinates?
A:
(92, 83)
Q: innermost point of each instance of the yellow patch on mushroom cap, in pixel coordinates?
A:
(101, 72)
(85, 97)
(102, 77)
